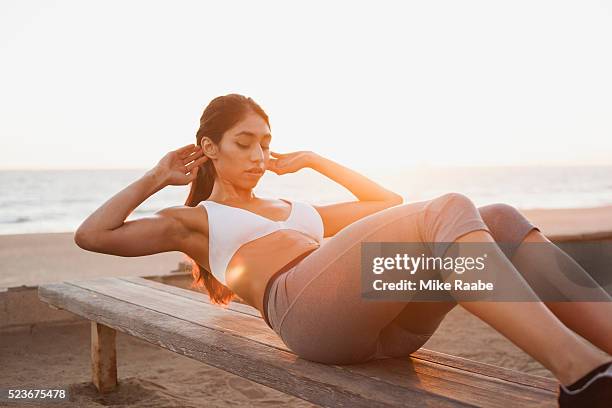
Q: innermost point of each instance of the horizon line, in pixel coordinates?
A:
(366, 167)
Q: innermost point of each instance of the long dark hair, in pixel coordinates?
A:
(221, 114)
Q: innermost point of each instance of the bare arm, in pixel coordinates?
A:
(362, 187)
(106, 230)
(372, 197)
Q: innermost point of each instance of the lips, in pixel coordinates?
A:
(255, 171)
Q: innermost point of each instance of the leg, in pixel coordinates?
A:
(552, 273)
(315, 303)
(508, 227)
(324, 293)
(514, 320)
(534, 328)
(591, 320)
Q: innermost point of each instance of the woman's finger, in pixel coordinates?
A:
(193, 156)
(185, 148)
(275, 168)
(186, 153)
(196, 163)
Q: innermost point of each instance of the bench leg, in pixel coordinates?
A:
(103, 357)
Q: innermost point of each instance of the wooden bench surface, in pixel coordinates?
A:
(237, 340)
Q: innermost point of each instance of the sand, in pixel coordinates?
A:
(150, 376)
(34, 259)
(593, 222)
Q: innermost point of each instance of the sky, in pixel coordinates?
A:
(118, 84)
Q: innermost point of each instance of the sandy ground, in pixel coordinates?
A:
(595, 221)
(153, 377)
(34, 259)
(149, 376)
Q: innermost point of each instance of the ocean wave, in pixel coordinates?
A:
(48, 201)
(16, 220)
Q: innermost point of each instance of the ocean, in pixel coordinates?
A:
(36, 201)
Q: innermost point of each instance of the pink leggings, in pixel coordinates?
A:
(315, 304)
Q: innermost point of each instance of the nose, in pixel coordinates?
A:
(257, 155)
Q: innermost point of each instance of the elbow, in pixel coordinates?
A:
(83, 239)
(397, 199)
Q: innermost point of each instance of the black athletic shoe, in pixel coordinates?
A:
(596, 393)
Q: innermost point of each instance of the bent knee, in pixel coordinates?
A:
(452, 199)
(499, 210)
(454, 196)
(506, 223)
(502, 216)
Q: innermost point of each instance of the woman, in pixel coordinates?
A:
(309, 293)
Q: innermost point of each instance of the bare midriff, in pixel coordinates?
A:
(256, 261)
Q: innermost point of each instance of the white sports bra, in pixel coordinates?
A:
(231, 227)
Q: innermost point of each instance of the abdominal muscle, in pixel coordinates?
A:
(255, 262)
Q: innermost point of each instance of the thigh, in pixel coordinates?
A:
(409, 330)
(327, 319)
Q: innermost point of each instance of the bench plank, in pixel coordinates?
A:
(490, 370)
(385, 381)
(215, 317)
(318, 383)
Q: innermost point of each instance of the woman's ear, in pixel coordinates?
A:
(209, 148)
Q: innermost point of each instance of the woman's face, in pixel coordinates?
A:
(244, 147)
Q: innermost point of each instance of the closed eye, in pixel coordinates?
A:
(246, 146)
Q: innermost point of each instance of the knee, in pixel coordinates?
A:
(454, 203)
(506, 223)
(499, 213)
(448, 208)
(453, 199)
(453, 195)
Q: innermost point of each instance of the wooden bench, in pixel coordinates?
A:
(237, 340)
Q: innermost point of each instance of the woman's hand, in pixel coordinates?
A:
(289, 162)
(180, 167)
